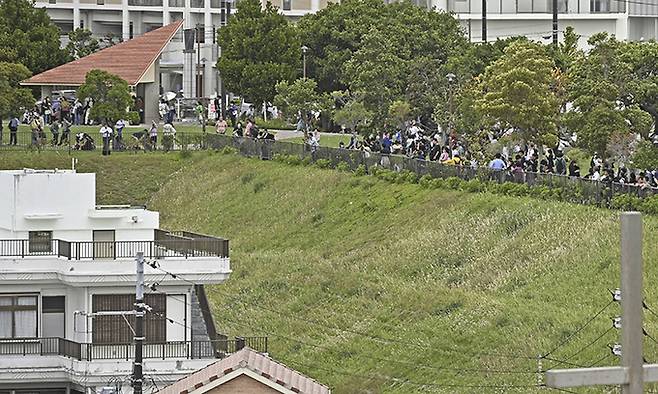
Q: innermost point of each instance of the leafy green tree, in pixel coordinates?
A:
(518, 92)
(399, 112)
(81, 43)
(299, 99)
(353, 115)
(110, 93)
(645, 156)
(28, 36)
(259, 48)
(13, 98)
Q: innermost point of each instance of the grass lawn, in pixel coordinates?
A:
(373, 287)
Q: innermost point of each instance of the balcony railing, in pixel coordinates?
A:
(165, 244)
(126, 351)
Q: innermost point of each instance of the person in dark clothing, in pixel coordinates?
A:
(13, 129)
(574, 169)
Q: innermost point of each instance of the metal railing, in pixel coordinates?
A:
(581, 190)
(53, 346)
(165, 244)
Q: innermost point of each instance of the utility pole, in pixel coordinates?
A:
(304, 49)
(138, 375)
(632, 374)
(555, 26)
(484, 20)
(198, 59)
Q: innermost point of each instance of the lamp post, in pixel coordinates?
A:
(452, 78)
(304, 49)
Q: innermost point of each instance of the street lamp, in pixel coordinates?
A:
(304, 49)
(452, 78)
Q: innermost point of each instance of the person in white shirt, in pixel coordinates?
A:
(119, 126)
(106, 134)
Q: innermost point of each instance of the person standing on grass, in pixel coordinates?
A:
(106, 134)
(13, 130)
(220, 126)
(66, 131)
(153, 134)
(200, 112)
(54, 130)
(119, 126)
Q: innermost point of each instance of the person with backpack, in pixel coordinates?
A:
(560, 164)
(36, 127)
(13, 129)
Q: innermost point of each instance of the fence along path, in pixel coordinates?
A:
(579, 190)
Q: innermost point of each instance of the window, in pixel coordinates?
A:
(286, 5)
(18, 316)
(41, 241)
(52, 316)
(599, 5)
(117, 329)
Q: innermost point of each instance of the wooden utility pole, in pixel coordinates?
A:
(632, 374)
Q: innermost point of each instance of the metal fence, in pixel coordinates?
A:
(53, 346)
(573, 189)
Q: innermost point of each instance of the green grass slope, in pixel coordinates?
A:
(375, 287)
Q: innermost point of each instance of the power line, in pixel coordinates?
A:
(582, 327)
(589, 344)
(410, 363)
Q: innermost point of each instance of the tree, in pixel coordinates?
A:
(353, 115)
(399, 112)
(13, 98)
(259, 49)
(28, 36)
(518, 92)
(81, 43)
(110, 93)
(299, 99)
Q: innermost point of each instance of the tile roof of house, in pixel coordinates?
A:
(129, 59)
(254, 361)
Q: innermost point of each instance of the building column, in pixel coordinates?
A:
(76, 14)
(209, 76)
(189, 59)
(125, 21)
(152, 96)
(166, 16)
(621, 27)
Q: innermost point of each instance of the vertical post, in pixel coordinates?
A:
(139, 325)
(631, 300)
(484, 20)
(555, 27)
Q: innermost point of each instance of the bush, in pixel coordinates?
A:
(133, 118)
(360, 170)
(323, 163)
(649, 205)
(275, 124)
(407, 176)
(473, 186)
(453, 183)
(342, 166)
(307, 161)
(425, 181)
(627, 202)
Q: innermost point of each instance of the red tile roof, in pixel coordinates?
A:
(129, 59)
(248, 359)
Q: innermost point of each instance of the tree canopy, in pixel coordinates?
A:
(259, 49)
(299, 99)
(81, 43)
(110, 93)
(13, 98)
(28, 36)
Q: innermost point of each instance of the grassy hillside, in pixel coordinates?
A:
(375, 287)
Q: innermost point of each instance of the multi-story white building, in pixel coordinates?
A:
(628, 20)
(64, 261)
(131, 18)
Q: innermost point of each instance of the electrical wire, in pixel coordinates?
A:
(589, 344)
(582, 327)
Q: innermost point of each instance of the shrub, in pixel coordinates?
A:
(425, 181)
(649, 205)
(360, 170)
(407, 176)
(342, 166)
(323, 163)
(473, 186)
(438, 183)
(307, 161)
(626, 202)
(453, 183)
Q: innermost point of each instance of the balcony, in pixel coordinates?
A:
(181, 244)
(145, 3)
(213, 349)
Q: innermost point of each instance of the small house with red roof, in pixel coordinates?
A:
(137, 61)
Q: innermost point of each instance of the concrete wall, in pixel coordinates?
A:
(64, 202)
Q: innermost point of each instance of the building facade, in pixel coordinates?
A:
(68, 266)
(193, 73)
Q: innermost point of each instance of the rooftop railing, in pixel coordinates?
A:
(53, 346)
(165, 244)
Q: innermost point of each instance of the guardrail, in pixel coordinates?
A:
(165, 244)
(53, 346)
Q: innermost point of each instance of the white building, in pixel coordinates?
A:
(131, 18)
(63, 259)
(628, 20)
